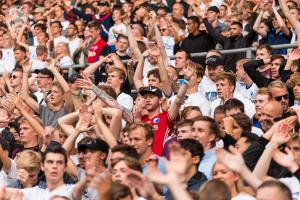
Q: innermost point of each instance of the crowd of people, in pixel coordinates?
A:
(104, 99)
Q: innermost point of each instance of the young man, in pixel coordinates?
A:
(162, 121)
(72, 38)
(226, 83)
(16, 80)
(54, 163)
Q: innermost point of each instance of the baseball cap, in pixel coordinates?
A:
(94, 145)
(44, 71)
(74, 77)
(214, 9)
(103, 3)
(214, 61)
(150, 90)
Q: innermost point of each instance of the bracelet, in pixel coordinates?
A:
(186, 82)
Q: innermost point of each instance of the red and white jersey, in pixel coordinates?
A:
(95, 51)
(163, 128)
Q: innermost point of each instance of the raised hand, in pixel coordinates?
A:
(84, 83)
(233, 159)
(189, 70)
(154, 50)
(23, 176)
(295, 55)
(281, 135)
(102, 183)
(286, 159)
(48, 135)
(84, 122)
(125, 19)
(26, 66)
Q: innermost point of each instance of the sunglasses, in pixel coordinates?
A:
(109, 63)
(13, 77)
(279, 98)
(163, 29)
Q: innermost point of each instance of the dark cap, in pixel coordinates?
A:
(103, 3)
(94, 145)
(74, 77)
(44, 71)
(150, 90)
(214, 61)
(214, 9)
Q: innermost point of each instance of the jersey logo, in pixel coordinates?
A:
(156, 120)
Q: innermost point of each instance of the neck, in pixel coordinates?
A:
(17, 88)
(192, 89)
(30, 144)
(58, 106)
(248, 81)
(117, 90)
(145, 156)
(72, 37)
(52, 186)
(57, 35)
(234, 190)
(190, 173)
(154, 113)
(121, 53)
(197, 32)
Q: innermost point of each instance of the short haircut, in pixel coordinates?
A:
(219, 110)
(230, 77)
(187, 54)
(213, 125)
(267, 47)
(146, 126)
(94, 24)
(40, 50)
(234, 104)
(154, 72)
(250, 137)
(75, 26)
(283, 189)
(41, 26)
(199, 70)
(127, 150)
(275, 57)
(121, 73)
(119, 191)
(216, 51)
(264, 91)
(108, 90)
(55, 147)
(122, 37)
(277, 84)
(20, 48)
(29, 160)
(187, 110)
(194, 147)
(243, 121)
(58, 23)
(216, 190)
(239, 24)
(132, 163)
(185, 122)
(194, 19)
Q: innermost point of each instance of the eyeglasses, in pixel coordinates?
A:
(279, 98)
(109, 63)
(14, 77)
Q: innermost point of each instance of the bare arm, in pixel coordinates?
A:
(91, 69)
(294, 22)
(138, 75)
(257, 23)
(5, 160)
(281, 23)
(132, 41)
(118, 62)
(78, 189)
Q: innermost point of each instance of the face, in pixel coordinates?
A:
(269, 113)
(152, 101)
(114, 80)
(180, 60)
(242, 144)
(94, 33)
(16, 79)
(102, 9)
(260, 101)
(184, 132)
(201, 133)
(119, 172)
(116, 16)
(43, 80)
(19, 55)
(125, 138)
(219, 119)
(154, 81)
(275, 23)
(122, 44)
(235, 30)
(116, 155)
(262, 54)
(294, 13)
(80, 25)
(193, 114)
(212, 16)
(240, 73)
(42, 38)
(222, 11)
(177, 10)
(82, 157)
(58, 12)
(56, 96)
(275, 65)
(138, 140)
(269, 193)
(191, 26)
(237, 130)
(214, 71)
(281, 95)
(71, 31)
(296, 91)
(27, 134)
(294, 146)
(54, 167)
(224, 88)
(220, 172)
(55, 28)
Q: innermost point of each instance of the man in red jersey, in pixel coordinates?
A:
(162, 121)
(99, 47)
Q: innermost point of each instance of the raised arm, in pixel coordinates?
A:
(138, 75)
(118, 62)
(19, 38)
(257, 23)
(65, 86)
(5, 160)
(106, 132)
(79, 188)
(91, 69)
(176, 104)
(281, 23)
(132, 41)
(294, 22)
(25, 88)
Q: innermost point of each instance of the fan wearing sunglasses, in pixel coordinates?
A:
(15, 80)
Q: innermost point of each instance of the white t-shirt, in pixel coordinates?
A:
(8, 61)
(243, 196)
(112, 37)
(195, 99)
(169, 44)
(249, 93)
(65, 61)
(59, 39)
(11, 176)
(208, 89)
(45, 194)
(294, 185)
(38, 64)
(74, 44)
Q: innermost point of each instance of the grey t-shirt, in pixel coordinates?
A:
(50, 117)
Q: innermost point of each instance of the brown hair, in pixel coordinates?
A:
(230, 77)
(146, 126)
(131, 162)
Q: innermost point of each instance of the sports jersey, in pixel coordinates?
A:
(95, 51)
(163, 128)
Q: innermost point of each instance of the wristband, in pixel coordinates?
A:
(186, 82)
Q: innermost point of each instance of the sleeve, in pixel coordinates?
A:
(80, 14)
(297, 174)
(228, 140)
(251, 69)
(213, 33)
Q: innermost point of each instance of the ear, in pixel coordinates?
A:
(160, 101)
(103, 156)
(211, 137)
(149, 142)
(232, 88)
(196, 159)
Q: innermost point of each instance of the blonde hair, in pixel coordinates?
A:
(29, 160)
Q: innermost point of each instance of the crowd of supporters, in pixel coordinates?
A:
(104, 100)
